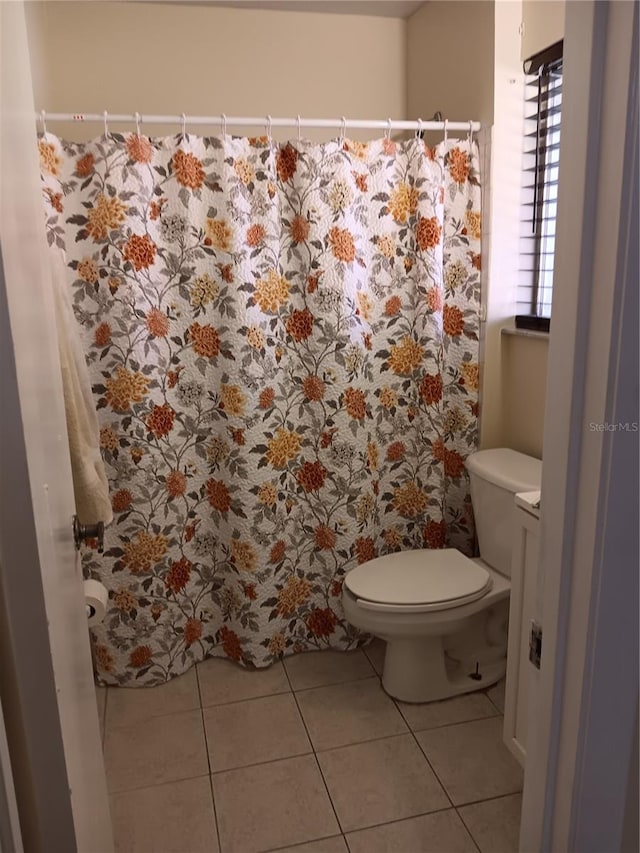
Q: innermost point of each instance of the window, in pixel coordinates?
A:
(543, 104)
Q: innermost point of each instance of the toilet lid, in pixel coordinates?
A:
(439, 578)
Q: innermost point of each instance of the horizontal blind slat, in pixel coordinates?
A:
(540, 180)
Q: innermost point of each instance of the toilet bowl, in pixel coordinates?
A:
(444, 616)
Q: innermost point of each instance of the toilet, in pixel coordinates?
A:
(444, 616)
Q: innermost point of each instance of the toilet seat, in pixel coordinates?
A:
(418, 581)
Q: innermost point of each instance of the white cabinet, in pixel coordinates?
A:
(524, 573)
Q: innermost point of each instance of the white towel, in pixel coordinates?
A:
(90, 483)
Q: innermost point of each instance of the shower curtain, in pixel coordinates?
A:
(283, 346)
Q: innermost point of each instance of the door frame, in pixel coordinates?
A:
(583, 717)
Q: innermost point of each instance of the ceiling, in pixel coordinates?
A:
(377, 8)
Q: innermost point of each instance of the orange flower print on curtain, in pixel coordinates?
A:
(283, 346)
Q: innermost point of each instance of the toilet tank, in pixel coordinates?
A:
(495, 477)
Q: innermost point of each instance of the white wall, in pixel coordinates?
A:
(200, 60)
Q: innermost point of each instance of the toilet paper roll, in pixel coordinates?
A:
(96, 598)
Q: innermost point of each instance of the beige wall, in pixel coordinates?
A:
(543, 25)
(450, 60)
(200, 60)
(524, 382)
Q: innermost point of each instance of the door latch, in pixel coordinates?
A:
(84, 532)
(535, 644)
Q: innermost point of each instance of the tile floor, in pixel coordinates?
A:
(309, 756)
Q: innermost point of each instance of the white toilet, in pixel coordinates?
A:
(444, 616)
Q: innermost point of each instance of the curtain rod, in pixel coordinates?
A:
(267, 121)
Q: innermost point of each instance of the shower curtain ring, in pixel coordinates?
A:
(106, 126)
(446, 123)
(419, 131)
(138, 124)
(343, 130)
(44, 123)
(388, 133)
(299, 130)
(224, 126)
(470, 131)
(268, 129)
(184, 124)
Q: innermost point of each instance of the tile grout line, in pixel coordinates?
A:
(334, 683)
(462, 723)
(478, 802)
(473, 802)
(312, 751)
(445, 808)
(260, 763)
(433, 770)
(471, 835)
(210, 773)
(489, 799)
(156, 785)
(315, 840)
(104, 723)
(278, 693)
(443, 725)
(338, 684)
(373, 666)
(247, 699)
(402, 820)
(315, 755)
(426, 758)
(501, 713)
(153, 716)
(403, 734)
(291, 688)
(440, 782)
(315, 752)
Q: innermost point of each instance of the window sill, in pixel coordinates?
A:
(524, 333)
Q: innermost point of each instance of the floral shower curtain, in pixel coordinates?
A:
(283, 345)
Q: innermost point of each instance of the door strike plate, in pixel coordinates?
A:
(535, 644)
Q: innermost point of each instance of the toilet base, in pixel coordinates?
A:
(416, 669)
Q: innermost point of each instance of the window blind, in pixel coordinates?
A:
(543, 112)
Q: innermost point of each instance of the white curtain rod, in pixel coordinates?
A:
(267, 121)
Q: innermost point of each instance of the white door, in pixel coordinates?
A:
(580, 791)
(46, 678)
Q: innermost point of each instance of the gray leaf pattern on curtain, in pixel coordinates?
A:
(283, 346)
